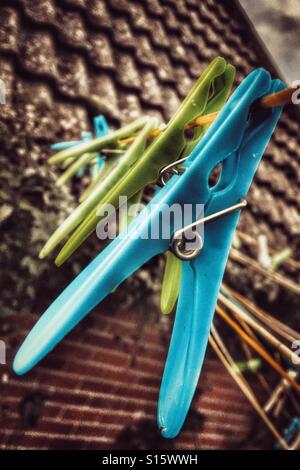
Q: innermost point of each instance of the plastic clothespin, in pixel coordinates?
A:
(238, 144)
(171, 278)
(214, 85)
(217, 78)
(292, 429)
(237, 140)
(65, 145)
(101, 128)
(117, 170)
(109, 164)
(85, 137)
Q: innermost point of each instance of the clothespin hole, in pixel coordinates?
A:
(211, 92)
(215, 175)
(258, 112)
(189, 133)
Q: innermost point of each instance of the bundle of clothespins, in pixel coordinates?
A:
(210, 130)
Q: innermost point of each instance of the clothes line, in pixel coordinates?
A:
(269, 101)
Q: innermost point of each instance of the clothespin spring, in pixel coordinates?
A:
(170, 170)
(179, 238)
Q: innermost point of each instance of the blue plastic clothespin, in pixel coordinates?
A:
(290, 432)
(65, 145)
(239, 144)
(101, 128)
(237, 140)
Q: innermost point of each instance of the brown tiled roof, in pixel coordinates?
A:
(63, 62)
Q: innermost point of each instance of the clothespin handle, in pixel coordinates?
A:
(238, 141)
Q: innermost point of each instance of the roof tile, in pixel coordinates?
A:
(72, 75)
(38, 53)
(42, 11)
(127, 71)
(72, 29)
(100, 51)
(98, 14)
(149, 88)
(8, 29)
(123, 34)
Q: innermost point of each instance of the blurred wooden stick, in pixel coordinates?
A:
(245, 260)
(226, 359)
(261, 351)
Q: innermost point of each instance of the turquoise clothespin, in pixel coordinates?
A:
(101, 128)
(85, 136)
(290, 432)
(65, 145)
(238, 144)
(237, 140)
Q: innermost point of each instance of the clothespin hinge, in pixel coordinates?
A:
(170, 170)
(179, 239)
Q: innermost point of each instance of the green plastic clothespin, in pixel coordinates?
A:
(107, 167)
(214, 83)
(102, 188)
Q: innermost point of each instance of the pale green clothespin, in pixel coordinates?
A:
(214, 84)
(104, 185)
(252, 365)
